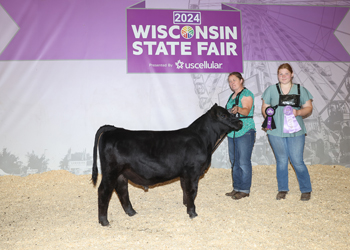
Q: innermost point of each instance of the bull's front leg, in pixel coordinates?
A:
(183, 187)
(190, 193)
(123, 194)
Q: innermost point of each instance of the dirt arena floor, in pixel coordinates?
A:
(58, 210)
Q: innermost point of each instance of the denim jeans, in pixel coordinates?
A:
(240, 152)
(290, 148)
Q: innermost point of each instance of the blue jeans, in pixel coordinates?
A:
(290, 148)
(240, 152)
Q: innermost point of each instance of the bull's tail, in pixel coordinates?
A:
(99, 132)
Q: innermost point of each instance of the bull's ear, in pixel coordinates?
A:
(214, 107)
(212, 110)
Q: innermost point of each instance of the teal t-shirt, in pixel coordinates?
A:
(248, 123)
(271, 97)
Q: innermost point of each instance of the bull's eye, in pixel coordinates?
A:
(222, 115)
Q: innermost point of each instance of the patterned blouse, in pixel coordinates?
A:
(248, 123)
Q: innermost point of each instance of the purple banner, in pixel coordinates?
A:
(178, 41)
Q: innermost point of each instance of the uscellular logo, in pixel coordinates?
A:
(203, 65)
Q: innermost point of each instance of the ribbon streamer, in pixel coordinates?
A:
(291, 124)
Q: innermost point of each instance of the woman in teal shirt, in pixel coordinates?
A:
(288, 143)
(240, 143)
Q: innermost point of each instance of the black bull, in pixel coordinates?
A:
(151, 157)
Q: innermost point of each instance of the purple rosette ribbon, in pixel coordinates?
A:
(291, 124)
(269, 123)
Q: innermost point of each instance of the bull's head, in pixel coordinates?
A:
(226, 118)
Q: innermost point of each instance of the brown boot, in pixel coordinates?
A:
(239, 195)
(305, 196)
(232, 193)
(281, 195)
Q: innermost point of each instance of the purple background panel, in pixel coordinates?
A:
(139, 5)
(88, 29)
(141, 63)
(291, 33)
(79, 29)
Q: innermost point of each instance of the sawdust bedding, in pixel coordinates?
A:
(58, 210)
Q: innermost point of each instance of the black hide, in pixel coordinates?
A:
(151, 157)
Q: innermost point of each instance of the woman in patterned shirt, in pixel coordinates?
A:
(240, 143)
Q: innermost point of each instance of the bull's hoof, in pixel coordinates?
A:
(131, 212)
(103, 221)
(193, 215)
(105, 224)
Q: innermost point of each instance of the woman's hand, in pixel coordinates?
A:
(235, 110)
(305, 110)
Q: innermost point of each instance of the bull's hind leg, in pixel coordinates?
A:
(105, 191)
(123, 194)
